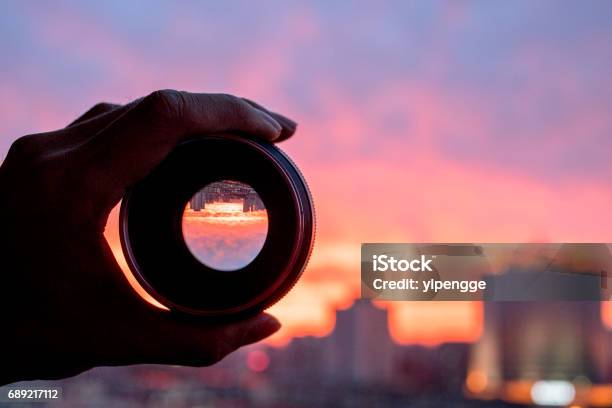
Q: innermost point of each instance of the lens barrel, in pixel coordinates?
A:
(153, 242)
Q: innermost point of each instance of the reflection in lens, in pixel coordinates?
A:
(225, 225)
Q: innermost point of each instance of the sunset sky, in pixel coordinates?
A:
(482, 121)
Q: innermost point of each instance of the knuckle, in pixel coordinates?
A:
(166, 104)
(26, 148)
(32, 172)
(238, 108)
(36, 173)
(101, 107)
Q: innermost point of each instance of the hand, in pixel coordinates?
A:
(66, 304)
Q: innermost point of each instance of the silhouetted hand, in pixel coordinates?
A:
(66, 304)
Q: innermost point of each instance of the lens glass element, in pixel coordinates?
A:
(225, 225)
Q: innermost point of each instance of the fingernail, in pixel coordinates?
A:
(269, 322)
(291, 124)
(285, 121)
(277, 126)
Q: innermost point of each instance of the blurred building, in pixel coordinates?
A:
(227, 191)
(359, 350)
(528, 346)
(361, 353)
(198, 201)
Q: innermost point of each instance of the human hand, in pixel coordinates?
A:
(66, 304)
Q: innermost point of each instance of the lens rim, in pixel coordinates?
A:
(290, 227)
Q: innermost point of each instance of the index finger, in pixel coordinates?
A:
(131, 146)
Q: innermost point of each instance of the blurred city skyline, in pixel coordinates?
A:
(525, 346)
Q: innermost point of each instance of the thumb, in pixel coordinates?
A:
(190, 343)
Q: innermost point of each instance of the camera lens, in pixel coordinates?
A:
(223, 226)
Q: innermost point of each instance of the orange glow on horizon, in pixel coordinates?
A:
(606, 314)
(332, 277)
(309, 309)
(225, 213)
(425, 323)
(433, 323)
(111, 233)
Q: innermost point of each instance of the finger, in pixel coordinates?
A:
(169, 341)
(94, 111)
(289, 126)
(85, 126)
(126, 150)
